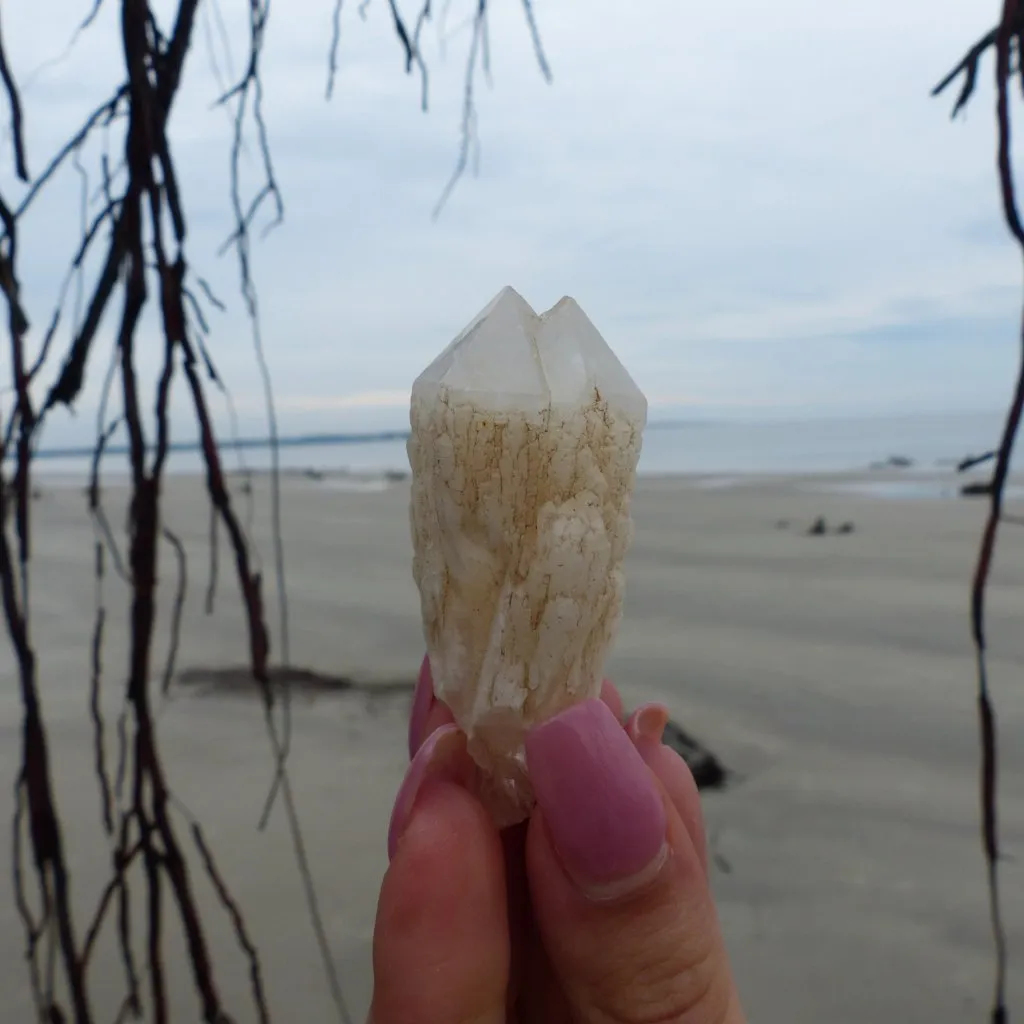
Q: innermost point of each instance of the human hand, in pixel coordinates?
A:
(595, 911)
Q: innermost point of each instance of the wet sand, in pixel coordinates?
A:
(833, 674)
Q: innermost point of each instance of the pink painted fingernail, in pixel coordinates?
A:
(422, 701)
(647, 725)
(601, 806)
(442, 757)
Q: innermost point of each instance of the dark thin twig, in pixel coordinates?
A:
(237, 922)
(211, 585)
(121, 770)
(413, 57)
(211, 52)
(468, 108)
(30, 925)
(102, 115)
(14, 102)
(421, 19)
(95, 709)
(124, 926)
(96, 502)
(210, 295)
(538, 47)
(332, 52)
(177, 609)
(968, 67)
(91, 16)
(105, 900)
(107, 214)
(975, 460)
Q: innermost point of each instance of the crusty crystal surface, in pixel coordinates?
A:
(525, 437)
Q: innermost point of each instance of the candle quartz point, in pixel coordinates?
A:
(526, 431)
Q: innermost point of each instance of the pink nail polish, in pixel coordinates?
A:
(442, 757)
(601, 806)
(422, 701)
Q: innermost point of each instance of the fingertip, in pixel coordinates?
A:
(647, 723)
(440, 945)
(422, 702)
(442, 757)
(646, 727)
(428, 713)
(439, 716)
(611, 696)
(681, 788)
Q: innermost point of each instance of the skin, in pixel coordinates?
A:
(476, 926)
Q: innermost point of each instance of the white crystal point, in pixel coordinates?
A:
(526, 433)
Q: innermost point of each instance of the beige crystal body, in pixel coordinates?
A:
(525, 437)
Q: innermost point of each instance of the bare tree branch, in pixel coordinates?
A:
(1006, 37)
(137, 239)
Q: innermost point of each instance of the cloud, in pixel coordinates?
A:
(760, 207)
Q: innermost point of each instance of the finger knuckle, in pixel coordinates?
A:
(662, 991)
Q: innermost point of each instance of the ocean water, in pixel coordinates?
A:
(816, 446)
(811, 446)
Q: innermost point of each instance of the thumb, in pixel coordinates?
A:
(619, 892)
(440, 944)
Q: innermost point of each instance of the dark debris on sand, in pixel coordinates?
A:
(819, 528)
(231, 679)
(707, 770)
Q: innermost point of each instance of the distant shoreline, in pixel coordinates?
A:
(246, 443)
(290, 441)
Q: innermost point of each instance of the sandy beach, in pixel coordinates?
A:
(833, 674)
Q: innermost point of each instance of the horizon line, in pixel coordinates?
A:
(383, 436)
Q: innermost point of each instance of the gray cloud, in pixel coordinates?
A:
(760, 207)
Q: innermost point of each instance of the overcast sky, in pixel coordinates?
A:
(758, 204)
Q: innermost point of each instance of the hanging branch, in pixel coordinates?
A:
(139, 218)
(1005, 39)
(478, 60)
(137, 238)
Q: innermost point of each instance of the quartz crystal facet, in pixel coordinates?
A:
(526, 432)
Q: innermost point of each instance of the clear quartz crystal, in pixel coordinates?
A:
(525, 437)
